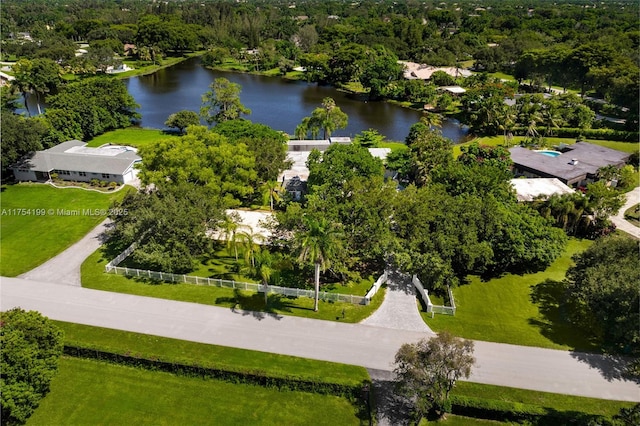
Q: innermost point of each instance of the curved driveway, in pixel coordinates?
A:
(359, 344)
(632, 198)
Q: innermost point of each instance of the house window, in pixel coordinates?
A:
(82, 173)
(106, 175)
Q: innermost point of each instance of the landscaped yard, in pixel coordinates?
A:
(93, 276)
(132, 136)
(629, 147)
(516, 309)
(87, 392)
(39, 221)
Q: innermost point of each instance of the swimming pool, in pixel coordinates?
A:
(549, 153)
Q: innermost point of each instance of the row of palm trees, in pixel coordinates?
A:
(317, 243)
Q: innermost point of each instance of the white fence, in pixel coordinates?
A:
(113, 268)
(192, 279)
(434, 309)
(376, 286)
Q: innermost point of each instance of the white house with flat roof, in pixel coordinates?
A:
(75, 161)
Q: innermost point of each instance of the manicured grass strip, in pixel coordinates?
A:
(210, 356)
(57, 218)
(516, 309)
(93, 276)
(553, 401)
(87, 392)
(131, 136)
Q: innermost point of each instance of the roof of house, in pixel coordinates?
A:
(74, 155)
(456, 90)
(589, 159)
(529, 189)
(424, 72)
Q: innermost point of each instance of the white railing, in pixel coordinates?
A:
(431, 308)
(376, 286)
(216, 282)
(122, 256)
(113, 268)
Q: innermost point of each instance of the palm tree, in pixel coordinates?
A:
(230, 225)
(319, 242)
(263, 268)
(250, 245)
(272, 191)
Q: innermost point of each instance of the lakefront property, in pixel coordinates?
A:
(74, 161)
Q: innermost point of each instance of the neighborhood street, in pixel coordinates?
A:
(360, 344)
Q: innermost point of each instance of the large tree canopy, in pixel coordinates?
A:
(602, 291)
(426, 371)
(202, 158)
(96, 105)
(30, 346)
(222, 102)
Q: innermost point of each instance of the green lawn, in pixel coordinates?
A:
(29, 240)
(542, 399)
(133, 136)
(516, 309)
(93, 276)
(87, 392)
(210, 356)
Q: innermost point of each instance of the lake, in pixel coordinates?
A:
(276, 102)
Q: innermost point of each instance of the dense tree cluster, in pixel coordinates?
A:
(602, 292)
(30, 346)
(566, 43)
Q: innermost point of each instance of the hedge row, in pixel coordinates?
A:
(506, 411)
(598, 134)
(359, 392)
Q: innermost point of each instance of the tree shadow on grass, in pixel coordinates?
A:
(253, 304)
(553, 322)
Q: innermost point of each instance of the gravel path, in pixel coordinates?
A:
(65, 267)
(399, 310)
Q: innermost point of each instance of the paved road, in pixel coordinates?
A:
(65, 267)
(633, 198)
(359, 344)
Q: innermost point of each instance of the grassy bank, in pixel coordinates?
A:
(516, 309)
(91, 392)
(39, 222)
(211, 356)
(93, 276)
(150, 68)
(131, 136)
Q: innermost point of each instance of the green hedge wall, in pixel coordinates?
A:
(506, 411)
(360, 392)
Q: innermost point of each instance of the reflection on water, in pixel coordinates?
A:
(278, 103)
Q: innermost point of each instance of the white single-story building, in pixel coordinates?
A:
(539, 188)
(75, 161)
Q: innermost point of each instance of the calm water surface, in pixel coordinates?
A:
(278, 103)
